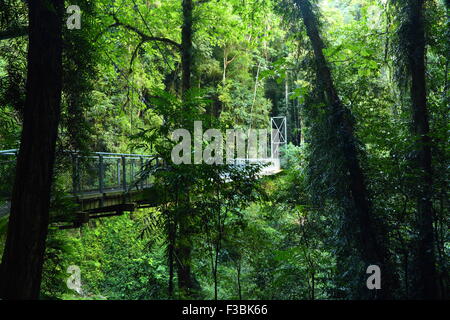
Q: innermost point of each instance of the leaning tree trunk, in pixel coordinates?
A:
(425, 284)
(371, 249)
(21, 269)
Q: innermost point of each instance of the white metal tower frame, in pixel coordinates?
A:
(278, 135)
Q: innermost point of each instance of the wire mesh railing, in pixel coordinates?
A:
(89, 173)
(103, 172)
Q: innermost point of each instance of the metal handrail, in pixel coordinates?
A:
(10, 152)
(15, 151)
(127, 167)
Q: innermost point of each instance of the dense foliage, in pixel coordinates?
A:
(295, 235)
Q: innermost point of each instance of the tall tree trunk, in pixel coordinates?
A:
(171, 253)
(424, 261)
(238, 269)
(286, 101)
(187, 283)
(255, 91)
(225, 64)
(186, 46)
(21, 269)
(371, 249)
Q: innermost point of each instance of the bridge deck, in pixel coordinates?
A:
(112, 185)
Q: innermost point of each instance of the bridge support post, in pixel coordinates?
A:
(75, 174)
(124, 174)
(119, 183)
(100, 174)
(132, 177)
(142, 172)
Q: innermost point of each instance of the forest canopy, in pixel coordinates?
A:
(92, 91)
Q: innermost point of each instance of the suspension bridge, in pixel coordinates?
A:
(103, 184)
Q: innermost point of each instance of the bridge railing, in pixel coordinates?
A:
(105, 172)
(100, 172)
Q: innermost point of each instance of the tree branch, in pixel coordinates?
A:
(12, 33)
(144, 37)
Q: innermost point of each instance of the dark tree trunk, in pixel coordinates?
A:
(25, 245)
(187, 284)
(239, 278)
(186, 46)
(371, 249)
(171, 253)
(424, 261)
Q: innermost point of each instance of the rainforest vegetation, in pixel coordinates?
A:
(363, 84)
